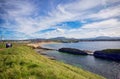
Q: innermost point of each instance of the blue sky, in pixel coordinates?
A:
(27, 19)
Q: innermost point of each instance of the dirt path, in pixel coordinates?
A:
(1, 49)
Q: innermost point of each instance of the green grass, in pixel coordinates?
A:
(22, 62)
(2, 45)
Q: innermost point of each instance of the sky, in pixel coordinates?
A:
(29, 19)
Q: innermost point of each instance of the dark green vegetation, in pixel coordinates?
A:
(110, 54)
(117, 51)
(22, 62)
(72, 51)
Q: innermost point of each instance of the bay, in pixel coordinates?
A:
(108, 69)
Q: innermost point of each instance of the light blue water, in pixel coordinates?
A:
(96, 45)
(108, 69)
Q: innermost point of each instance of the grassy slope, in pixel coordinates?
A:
(21, 62)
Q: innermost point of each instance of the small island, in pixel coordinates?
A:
(72, 51)
(109, 54)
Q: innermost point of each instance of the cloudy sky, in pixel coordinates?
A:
(25, 19)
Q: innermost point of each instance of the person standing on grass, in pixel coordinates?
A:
(8, 45)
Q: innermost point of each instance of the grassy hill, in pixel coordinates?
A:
(22, 62)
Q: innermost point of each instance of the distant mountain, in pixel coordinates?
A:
(62, 38)
(58, 38)
(66, 40)
(102, 38)
(106, 37)
(70, 40)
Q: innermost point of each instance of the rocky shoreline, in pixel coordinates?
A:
(109, 54)
(72, 51)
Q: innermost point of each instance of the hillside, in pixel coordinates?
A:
(22, 62)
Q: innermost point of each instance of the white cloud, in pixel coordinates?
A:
(79, 10)
(111, 23)
(81, 5)
(95, 29)
(106, 13)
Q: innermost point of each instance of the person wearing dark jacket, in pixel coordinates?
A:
(8, 45)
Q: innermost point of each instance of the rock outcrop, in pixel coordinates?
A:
(72, 51)
(109, 54)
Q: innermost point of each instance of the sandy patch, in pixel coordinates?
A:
(39, 44)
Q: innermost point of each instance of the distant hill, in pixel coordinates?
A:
(102, 38)
(106, 37)
(62, 38)
(59, 38)
(66, 40)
